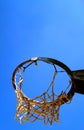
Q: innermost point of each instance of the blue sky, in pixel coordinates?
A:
(40, 28)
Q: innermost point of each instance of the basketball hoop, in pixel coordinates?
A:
(47, 105)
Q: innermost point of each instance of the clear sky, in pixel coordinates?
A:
(49, 28)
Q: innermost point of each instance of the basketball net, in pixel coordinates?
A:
(45, 107)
